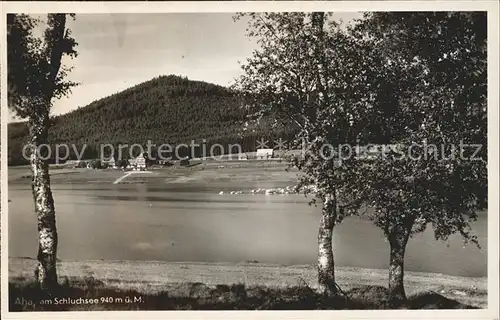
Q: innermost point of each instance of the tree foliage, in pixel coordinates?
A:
(34, 63)
(328, 107)
(398, 79)
(310, 74)
(440, 63)
(435, 66)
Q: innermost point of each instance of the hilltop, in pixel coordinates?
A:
(166, 109)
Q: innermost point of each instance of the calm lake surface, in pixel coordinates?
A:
(194, 223)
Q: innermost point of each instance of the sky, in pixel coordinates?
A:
(117, 51)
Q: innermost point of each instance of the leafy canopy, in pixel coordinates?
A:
(35, 74)
(313, 76)
(436, 68)
(392, 78)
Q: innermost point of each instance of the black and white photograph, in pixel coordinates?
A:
(293, 160)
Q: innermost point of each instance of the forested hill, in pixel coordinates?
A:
(166, 109)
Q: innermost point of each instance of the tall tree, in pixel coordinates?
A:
(305, 74)
(394, 78)
(36, 76)
(435, 72)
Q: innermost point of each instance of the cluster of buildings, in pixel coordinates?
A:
(260, 154)
(140, 163)
(264, 154)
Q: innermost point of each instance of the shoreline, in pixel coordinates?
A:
(157, 276)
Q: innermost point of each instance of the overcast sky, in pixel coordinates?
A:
(117, 51)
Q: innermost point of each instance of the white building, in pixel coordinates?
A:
(264, 154)
(138, 163)
(111, 163)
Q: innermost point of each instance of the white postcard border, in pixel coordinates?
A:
(259, 6)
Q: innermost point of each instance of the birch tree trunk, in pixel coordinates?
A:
(44, 203)
(326, 265)
(397, 242)
(318, 22)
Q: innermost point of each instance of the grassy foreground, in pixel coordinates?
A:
(153, 285)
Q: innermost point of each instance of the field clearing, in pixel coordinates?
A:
(209, 171)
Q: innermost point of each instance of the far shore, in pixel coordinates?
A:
(209, 171)
(156, 276)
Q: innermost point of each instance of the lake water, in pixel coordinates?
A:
(195, 223)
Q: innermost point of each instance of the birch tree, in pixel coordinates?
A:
(403, 79)
(36, 77)
(306, 75)
(435, 71)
